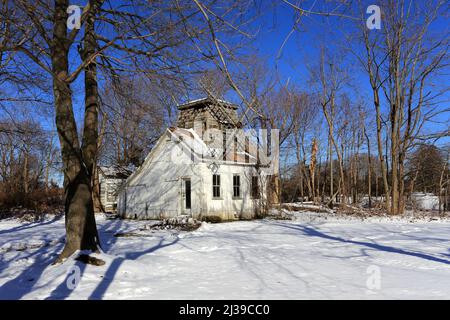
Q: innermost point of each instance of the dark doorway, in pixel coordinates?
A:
(187, 188)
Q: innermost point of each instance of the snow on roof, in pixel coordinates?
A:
(116, 171)
(206, 100)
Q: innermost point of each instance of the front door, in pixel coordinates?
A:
(186, 195)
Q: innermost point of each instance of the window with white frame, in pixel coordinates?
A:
(216, 185)
(236, 186)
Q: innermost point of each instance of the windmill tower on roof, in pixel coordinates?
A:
(208, 113)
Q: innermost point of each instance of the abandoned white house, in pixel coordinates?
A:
(109, 181)
(203, 167)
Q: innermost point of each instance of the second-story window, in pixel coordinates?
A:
(236, 186)
(216, 186)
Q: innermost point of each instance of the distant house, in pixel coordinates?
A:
(425, 201)
(110, 179)
(192, 172)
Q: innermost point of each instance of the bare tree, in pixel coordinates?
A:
(329, 79)
(153, 38)
(400, 60)
(133, 121)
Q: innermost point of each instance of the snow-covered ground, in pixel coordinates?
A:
(307, 258)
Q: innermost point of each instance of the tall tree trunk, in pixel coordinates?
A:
(47, 165)
(441, 185)
(395, 142)
(394, 179)
(331, 166)
(312, 168)
(401, 187)
(339, 154)
(81, 230)
(302, 192)
(376, 183)
(25, 171)
(446, 194)
(380, 149)
(299, 143)
(369, 169)
(90, 134)
(98, 206)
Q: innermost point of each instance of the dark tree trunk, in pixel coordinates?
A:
(98, 207)
(90, 133)
(369, 169)
(81, 230)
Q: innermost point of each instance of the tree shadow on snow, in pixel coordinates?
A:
(31, 225)
(106, 233)
(63, 291)
(312, 232)
(23, 283)
(116, 263)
